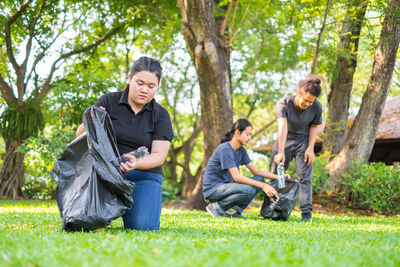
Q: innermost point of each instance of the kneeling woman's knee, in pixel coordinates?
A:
(146, 209)
(250, 192)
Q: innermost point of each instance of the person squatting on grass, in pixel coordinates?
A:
(298, 118)
(223, 186)
(138, 120)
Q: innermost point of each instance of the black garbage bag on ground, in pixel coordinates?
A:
(280, 209)
(91, 188)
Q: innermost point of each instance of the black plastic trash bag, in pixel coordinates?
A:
(280, 209)
(91, 188)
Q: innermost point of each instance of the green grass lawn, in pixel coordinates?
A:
(30, 235)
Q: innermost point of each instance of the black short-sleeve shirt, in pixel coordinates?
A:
(298, 122)
(135, 130)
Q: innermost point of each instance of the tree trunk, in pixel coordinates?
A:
(12, 172)
(189, 179)
(172, 163)
(342, 82)
(196, 200)
(189, 183)
(210, 55)
(362, 134)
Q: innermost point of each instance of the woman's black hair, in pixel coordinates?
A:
(240, 124)
(310, 85)
(147, 64)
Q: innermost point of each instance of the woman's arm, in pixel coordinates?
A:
(256, 171)
(80, 130)
(269, 190)
(309, 154)
(282, 134)
(159, 151)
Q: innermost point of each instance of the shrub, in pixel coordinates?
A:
(41, 153)
(320, 174)
(39, 187)
(373, 185)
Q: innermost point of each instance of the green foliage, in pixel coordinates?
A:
(39, 187)
(83, 83)
(320, 174)
(19, 123)
(31, 236)
(375, 186)
(41, 153)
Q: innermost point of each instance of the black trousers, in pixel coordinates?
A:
(296, 149)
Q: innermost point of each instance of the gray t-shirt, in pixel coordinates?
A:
(217, 170)
(298, 122)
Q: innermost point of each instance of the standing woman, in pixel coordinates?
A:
(223, 185)
(138, 120)
(298, 119)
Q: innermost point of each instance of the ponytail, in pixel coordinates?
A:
(240, 124)
(227, 136)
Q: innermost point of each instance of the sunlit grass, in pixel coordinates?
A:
(30, 235)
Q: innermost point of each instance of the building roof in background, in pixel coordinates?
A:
(389, 124)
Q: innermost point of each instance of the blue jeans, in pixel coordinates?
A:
(146, 210)
(234, 195)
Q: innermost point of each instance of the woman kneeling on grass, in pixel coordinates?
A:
(223, 186)
(138, 120)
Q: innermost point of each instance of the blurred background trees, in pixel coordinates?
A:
(57, 58)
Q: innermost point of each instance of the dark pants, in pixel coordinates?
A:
(146, 210)
(296, 149)
(234, 195)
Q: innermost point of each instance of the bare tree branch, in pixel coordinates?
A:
(47, 86)
(252, 107)
(128, 46)
(233, 21)
(6, 91)
(45, 48)
(237, 30)
(264, 128)
(185, 168)
(198, 127)
(21, 84)
(7, 28)
(225, 22)
(198, 171)
(319, 38)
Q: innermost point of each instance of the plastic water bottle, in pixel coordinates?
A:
(281, 177)
(139, 153)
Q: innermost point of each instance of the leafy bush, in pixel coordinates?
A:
(320, 174)
(373, 185)
(41, 152)
(39, 187)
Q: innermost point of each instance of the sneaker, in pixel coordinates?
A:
(306, 218)
(213, 211)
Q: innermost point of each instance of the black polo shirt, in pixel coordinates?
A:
(135, 130)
